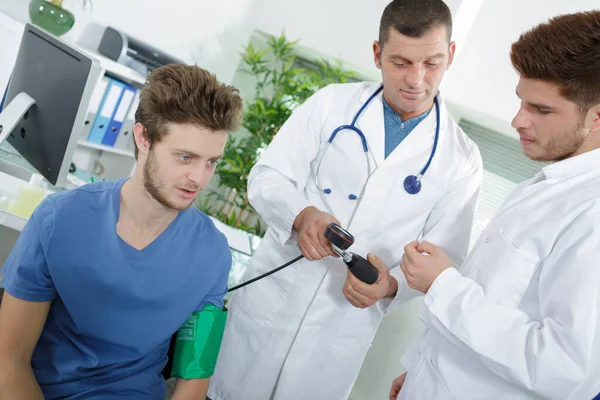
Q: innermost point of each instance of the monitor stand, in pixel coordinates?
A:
(12, 114)
(10, 117)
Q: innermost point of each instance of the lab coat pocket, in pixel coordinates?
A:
(404, 213)
(507, 272)
(427, 384)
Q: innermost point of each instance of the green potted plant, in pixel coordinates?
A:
(283, 82)
(52, 16)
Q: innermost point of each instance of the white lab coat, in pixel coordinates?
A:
(521, 318)
(293, 335)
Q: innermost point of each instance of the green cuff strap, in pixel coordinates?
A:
(198, 343)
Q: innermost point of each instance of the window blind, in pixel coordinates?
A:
(504, 167)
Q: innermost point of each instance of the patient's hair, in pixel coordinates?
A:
(565, 51)
(184, 94)
(414, 18)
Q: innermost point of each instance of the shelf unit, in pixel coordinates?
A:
(108, 149)
(117, 162)
(12, 221)
(115, 69)
(120, 162)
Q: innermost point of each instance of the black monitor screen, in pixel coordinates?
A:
(55, 76)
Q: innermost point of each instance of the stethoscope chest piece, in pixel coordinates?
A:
(412, 184)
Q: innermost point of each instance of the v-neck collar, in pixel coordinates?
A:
(150, 247)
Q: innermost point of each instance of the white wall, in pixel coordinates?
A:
(338, 28)
(210, 33)
(482, 81)
(213, 33)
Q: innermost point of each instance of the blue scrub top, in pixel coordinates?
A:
(114, 308)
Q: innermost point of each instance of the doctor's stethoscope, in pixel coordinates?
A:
(412, 183)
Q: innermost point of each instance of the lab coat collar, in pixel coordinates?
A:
(369, 91)
(573, 166)
(372, 124)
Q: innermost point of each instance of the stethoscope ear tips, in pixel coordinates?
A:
(351, 196)
(412, 184)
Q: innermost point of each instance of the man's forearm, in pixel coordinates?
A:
(18, 382)
(191, 389)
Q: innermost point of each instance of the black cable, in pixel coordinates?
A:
(287, 264)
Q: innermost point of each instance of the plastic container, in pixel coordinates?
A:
(6, 204)
(29, 197)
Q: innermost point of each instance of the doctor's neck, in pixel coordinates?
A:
(410, 110)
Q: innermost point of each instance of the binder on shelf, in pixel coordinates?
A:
(114, 127)
(125, 138)
(107, 110)
(94, 106)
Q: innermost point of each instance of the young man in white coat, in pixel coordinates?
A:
(520, 318)
(294, 335)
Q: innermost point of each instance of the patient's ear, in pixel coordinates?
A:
(595, 116)
(141, 140)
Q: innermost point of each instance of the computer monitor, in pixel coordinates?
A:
(46, 102)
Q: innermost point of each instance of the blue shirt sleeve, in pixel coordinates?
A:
(26, 274)
(219, 290)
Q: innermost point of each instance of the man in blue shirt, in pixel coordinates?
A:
(103, 276)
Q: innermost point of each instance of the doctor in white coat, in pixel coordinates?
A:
(520, 318)
(294, 335)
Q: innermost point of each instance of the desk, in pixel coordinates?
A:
(14, 173)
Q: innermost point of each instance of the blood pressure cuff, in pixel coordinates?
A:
(198, 342)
